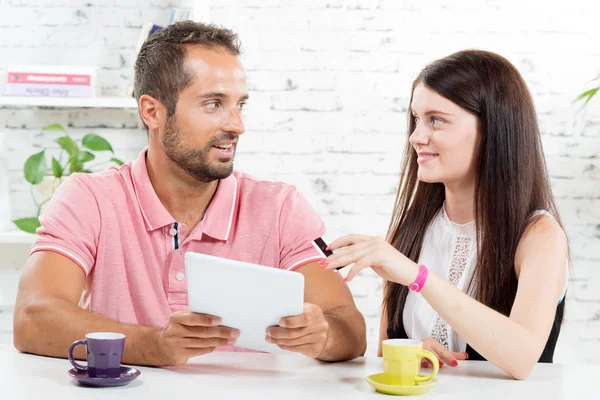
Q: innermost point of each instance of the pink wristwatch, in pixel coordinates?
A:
(421, 279)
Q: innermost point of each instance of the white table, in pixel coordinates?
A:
(285, 377)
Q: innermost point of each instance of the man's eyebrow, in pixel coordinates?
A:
(219, 95)
(212, 95)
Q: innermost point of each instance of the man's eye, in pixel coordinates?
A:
(241, 106)
(212, 105)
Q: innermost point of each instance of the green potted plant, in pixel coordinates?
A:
(74, 157)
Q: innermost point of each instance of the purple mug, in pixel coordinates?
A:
(104, 352)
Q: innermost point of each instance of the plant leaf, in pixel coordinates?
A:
(28, 225)
(35, 168)
(53, 127)
(96, 143)
(75, 166)
(57, 169)
(85, 156)
(117, 161)
(592, 94)
(587, 95)
(69, 145)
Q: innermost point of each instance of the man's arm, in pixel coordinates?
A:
(331, 328)
(47, 320)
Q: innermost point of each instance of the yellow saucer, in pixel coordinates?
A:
(378, 382)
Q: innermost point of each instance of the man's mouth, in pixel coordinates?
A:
(224, 147)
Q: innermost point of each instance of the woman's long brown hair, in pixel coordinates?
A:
(511, 179)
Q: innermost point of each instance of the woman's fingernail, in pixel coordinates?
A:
(454, 363)
(345, 280)
(467, 355)
(268, 339)
(327, 248)
(441, 364)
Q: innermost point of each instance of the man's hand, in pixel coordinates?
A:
(306, 333)
(189, 334)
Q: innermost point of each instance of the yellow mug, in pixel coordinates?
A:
(402, 362)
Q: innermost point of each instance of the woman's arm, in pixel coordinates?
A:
(512, 343)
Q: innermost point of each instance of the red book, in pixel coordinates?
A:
(49, 79)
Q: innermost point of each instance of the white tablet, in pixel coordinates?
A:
(248, 297)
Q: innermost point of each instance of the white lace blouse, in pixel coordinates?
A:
(450, 251)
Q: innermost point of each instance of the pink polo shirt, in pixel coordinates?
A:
(114, 227)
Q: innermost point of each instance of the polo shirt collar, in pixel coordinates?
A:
(219, 221)
(221, 214)
(154, 213)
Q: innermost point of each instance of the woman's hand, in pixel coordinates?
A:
(371, 251)
(444, 355)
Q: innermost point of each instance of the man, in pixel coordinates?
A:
(110, 251)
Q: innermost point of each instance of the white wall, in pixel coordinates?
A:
(329, 84)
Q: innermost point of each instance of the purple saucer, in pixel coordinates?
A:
(128, 374)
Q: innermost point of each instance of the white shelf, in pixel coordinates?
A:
(93, 102)
(16, 237)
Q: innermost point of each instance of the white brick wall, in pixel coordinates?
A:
(329, 83)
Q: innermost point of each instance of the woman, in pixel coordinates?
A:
(475, 232)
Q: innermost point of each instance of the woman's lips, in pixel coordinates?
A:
(424, 157)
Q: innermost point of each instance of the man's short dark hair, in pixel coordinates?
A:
(159, 68)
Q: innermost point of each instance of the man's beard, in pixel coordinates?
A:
(195, 162)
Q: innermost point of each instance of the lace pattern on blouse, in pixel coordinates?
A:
(465, 234)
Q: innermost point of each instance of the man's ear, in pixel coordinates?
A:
(152, 111)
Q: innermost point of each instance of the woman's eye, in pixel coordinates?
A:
(436, 122)
(416, 119)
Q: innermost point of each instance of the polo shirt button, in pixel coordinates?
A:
(173, 231)
(180, 276)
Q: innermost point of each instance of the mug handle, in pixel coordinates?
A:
(434, 361)
(78, 367)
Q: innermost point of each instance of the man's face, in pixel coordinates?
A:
(202, 136)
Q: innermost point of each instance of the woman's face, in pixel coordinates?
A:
(445, 138)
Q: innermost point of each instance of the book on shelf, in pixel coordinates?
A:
(47, 90)
(50, 81)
